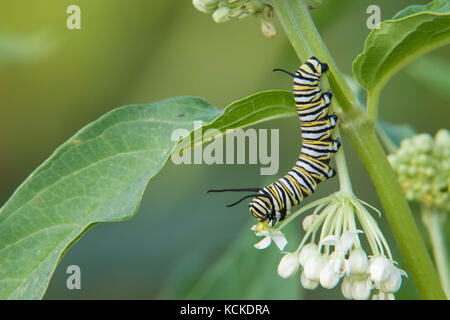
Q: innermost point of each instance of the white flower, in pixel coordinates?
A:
(313, 267)
(268, 29)
(346, 287)
(361, 289)
(307, 222)
(383, 296)
(393, 283)
(328, 275)
(205, 6)
(288, 265)
(338, 263)
(308, 251)
(307, 283)
(342, 244)
(221, 15)
(380, 269)
(263, 230)
(358, 262)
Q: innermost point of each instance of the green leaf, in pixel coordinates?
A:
(439, 6)
(413, 32)
(100, 175)
(262, 106)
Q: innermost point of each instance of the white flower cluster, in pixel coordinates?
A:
(226, 10)
(320, 265)
(360, 275)
(422, 165)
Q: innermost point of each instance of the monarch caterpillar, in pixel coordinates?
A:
(273, 202)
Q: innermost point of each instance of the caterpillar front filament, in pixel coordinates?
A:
(273, 202)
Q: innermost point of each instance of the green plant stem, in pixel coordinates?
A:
(433, 221)
(373, 98)
(359, 128)
(306, 41)
(341, 165)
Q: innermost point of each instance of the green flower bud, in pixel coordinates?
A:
(443, 138)
(402, 168)
(412, 171)
(423, 168)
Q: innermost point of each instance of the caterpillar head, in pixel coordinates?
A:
(262, 209)
(320, 67)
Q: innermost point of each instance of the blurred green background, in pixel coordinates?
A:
(182, 243)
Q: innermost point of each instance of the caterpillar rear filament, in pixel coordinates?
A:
(273, 202)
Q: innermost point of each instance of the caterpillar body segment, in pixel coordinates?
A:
(273, 202)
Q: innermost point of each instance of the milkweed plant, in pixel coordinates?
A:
(336, 255)
(100, 173)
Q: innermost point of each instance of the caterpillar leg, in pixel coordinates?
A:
(331, 173)
(333, 120)
(283, 214)
(337, 144)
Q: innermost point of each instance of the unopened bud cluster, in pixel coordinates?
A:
(422, 165)
(226, 10)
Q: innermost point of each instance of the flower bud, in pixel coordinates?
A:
(328, 277)
(307, 222)
(361, 289)
(358, 262)
(412, 171)
(383, 296)
(307, 283)
(268, 29)
(205, 6)
(443, 137)
(380, 269)
(288, 265)
(393, 283)
(313, 267)
(389, 296)
(346, 287)
(221, 15)
(308, 251)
